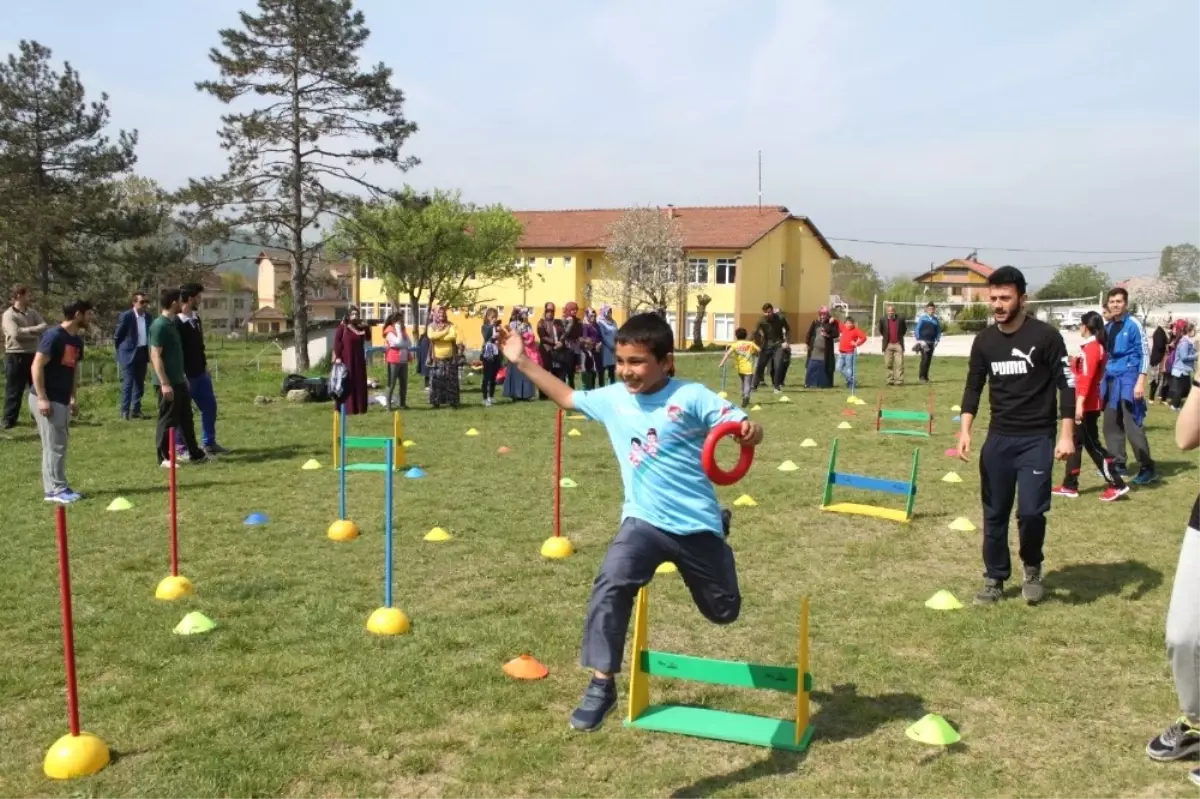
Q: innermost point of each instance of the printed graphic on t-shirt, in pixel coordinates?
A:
(70, 356)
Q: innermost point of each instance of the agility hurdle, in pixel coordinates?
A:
(926, 417)
(719, 725)
(908, 490)
(339, 449)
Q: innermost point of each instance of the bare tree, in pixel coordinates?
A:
(647, 269)
(1149, 292)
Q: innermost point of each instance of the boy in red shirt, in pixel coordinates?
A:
(1088, 367)
(848, 343)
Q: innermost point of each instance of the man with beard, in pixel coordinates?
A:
(771, 336)
(1025, 363)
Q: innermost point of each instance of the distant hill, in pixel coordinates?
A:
(234, 256)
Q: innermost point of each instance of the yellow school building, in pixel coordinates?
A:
(740, 256)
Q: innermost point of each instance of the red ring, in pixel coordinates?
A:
(708, 457)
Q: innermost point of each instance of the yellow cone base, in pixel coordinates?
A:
(74, 756)
(557, 547)
(172, 588)
(388, 621)
(666, 567)
(343, 530)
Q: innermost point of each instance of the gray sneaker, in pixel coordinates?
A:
(991, 593)
(1032, 589)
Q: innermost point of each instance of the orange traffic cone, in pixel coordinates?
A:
(525, 667)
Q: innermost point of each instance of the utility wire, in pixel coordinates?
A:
(995, 249)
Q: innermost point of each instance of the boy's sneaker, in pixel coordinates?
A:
(1112, 493)
(216, 449)
(745, 402)
(1145, 477)
(599, 698)
(1176, 742)
(1032, 589)
(64, 497)
(991, 593)
(1066, 491)
(726, 520)
(1194, 776)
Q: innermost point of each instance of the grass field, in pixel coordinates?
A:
(290, 696)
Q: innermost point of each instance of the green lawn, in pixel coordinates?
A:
(290, 696)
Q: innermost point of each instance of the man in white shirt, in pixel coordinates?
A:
(133, 355)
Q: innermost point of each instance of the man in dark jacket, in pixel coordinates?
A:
(195, 366)
(892, 329)
(771, 336)
(133, 355)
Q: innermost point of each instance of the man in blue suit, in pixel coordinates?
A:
(133, 355)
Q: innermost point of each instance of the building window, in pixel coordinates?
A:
(589, 264)
(529, 262)
(567, 261)
(723, 327)
(691, 325)
(782, 273)
(365, 272)
(423, 315)
(698, 271)
(726, 271)
(549, 261)
(670, 316)
(368, 310)
(239, 303)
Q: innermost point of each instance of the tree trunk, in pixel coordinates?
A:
(698, 324)
(299, 267)
(414, 307)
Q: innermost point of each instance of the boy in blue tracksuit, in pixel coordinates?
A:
(1124, 390)
(928, 332)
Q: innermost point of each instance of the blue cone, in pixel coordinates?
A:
(415, 473)
(256, 518)
(956, 418)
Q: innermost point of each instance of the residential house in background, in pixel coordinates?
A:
(740, 256)
(227, 303)
(330, 291)
(961, 281)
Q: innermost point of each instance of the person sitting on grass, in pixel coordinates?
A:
(1088, 367)
(670, 511)
(1182, 739)
(743, 351)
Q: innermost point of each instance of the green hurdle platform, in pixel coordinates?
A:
(720, 725)
(883, 414)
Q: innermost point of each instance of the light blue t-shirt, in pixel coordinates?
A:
(658, 439)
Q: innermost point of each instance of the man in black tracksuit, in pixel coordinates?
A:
(771, 335)
(1025, 363)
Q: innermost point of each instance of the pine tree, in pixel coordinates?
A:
(56, 172)
(286, 175)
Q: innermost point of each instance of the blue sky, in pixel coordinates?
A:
(1072, 124)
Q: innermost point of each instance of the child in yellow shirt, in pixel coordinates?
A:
(743, 351)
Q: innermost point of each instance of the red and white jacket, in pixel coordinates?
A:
(1088, 368)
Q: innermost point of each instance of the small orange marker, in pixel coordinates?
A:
(503, 451)
(525, 667)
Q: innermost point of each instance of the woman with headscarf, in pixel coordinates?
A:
(517, 386)
(608, 345)
(589, 349)
(349, 349)
(570, 354)
(819, 362)
(443, 356)
(550, 341)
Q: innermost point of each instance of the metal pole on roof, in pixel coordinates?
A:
(760, 181)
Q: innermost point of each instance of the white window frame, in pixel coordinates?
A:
(672, 318)
(723, 326)
(725, 268)
(697, 269)
(567, 260)
(549, 261)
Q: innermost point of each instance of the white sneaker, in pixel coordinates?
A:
(166, 464)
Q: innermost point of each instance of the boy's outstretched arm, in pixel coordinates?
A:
(514, 350)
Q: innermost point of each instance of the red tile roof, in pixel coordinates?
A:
(703, 228)
(981, 269)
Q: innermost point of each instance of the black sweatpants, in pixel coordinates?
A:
(1087, 436)
(176, 412)
(926, 360)
(705, 563)
(771, 356)
(18, 376)
(1014, 468)
(491, 369)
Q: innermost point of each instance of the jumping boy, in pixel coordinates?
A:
(670, 511)
(743, 353)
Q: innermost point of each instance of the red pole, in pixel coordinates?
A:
(558, 437)
(174, 522)
(64, 584)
